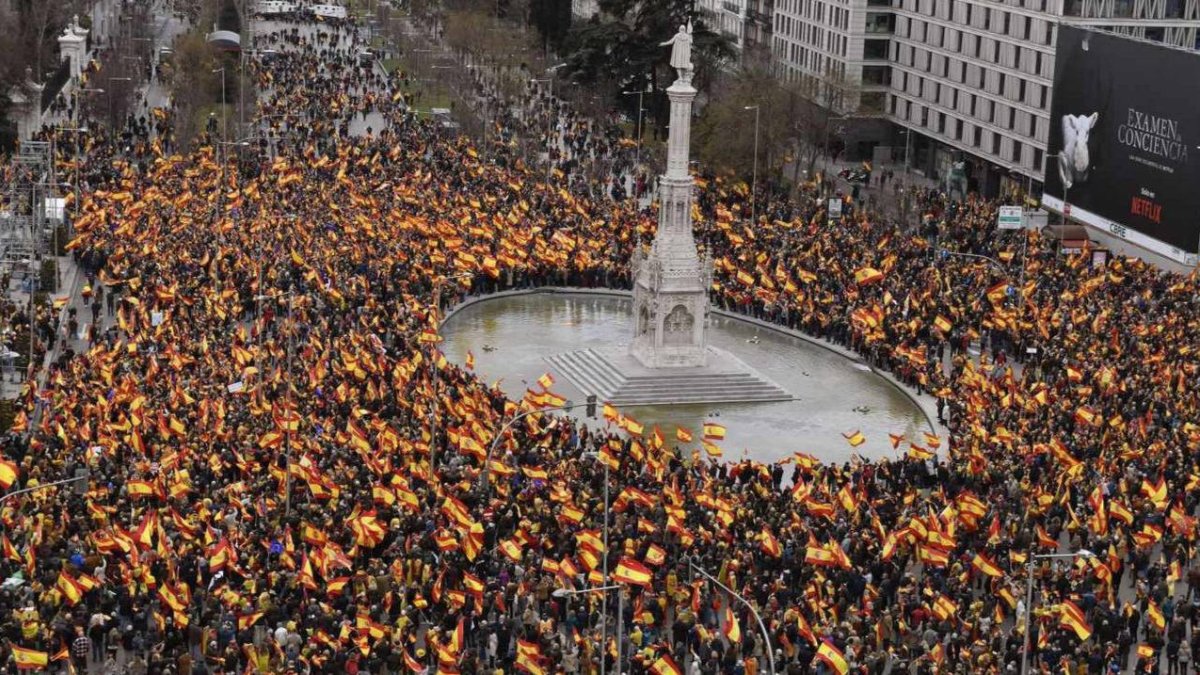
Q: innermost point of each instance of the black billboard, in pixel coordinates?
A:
(1125, 125)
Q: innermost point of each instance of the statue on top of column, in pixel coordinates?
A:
(681, 52)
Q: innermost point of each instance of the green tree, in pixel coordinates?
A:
(792, 127)
(552, 20)
(623, 45)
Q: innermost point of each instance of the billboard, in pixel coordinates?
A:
(1124, 131)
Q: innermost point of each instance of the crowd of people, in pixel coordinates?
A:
(284, 474)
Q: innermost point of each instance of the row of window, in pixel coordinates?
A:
(973, 105)
(812, 10)
(986, 141)
(1032, 61)
(816, 37)
(811, 60)
(973, 75)
(984, 16)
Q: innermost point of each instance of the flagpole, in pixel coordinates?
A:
(1081, 553)
(693, 567)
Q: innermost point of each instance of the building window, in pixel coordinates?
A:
(978, 137)
(996, 144)
(1037, 159)
(1018, 150)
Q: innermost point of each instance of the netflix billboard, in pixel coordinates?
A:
(1124, 131)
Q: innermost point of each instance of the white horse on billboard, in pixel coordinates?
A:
(1073, 158)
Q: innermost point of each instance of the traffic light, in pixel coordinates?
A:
(591, 406)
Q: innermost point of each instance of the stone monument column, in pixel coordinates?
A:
(671, 288)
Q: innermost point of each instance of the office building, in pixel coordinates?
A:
(960, 80)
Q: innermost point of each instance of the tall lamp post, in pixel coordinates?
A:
(567, 593)
(754, 179)
(696, 569)
(1083, 552)
(549, 80)
(437, 303)
(640, 94)
(224, 130)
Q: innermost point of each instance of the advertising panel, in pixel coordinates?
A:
(1124, 131)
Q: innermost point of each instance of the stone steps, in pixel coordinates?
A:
(593, 373)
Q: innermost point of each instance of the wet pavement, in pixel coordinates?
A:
(511, 336)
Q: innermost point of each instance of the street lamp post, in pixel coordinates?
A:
(567, 593)
(640, 94)
(754, 179)
(224, 130)
(549, 80)
(487, 461)
(1083, 552)
(437, 302)
(694, 568)
(907, 142)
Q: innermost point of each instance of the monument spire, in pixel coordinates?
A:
(669, 360)
(670, 293)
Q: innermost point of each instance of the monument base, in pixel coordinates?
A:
(616, 377)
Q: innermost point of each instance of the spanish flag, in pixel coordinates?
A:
(997, 293)
(29, 659)
(546, 380)
(529, 657)
(70, 588)
(8, 473)
(139, 488)
(655, 555)
(1072, 617)
(855, 438)
(944, 608)
(986, 566)
(731, 629)
(918, 453)
(665, 665)
(714, 431)
(683, 435)
(1154, 615)
(630, 571)
(867, 275)
(247, 620)
(770, 545)
(943, 324)
(833, 657)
